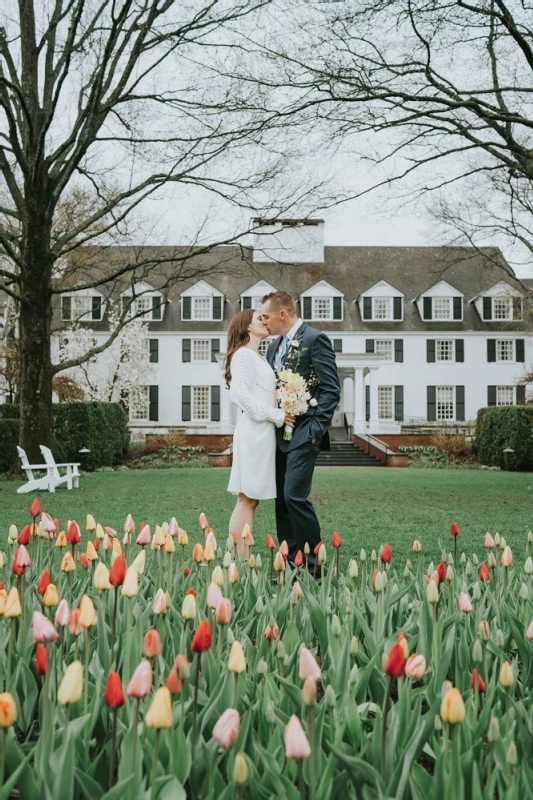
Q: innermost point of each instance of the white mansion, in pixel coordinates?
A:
(420, 333)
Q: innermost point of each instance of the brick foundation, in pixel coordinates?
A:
(394, 440)
(220, 459)
(391, 460)
(211, 443)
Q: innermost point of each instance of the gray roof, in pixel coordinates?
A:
(352, 270)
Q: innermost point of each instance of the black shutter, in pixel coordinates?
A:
(487, 308)
(459, 403)
(517, 308)
(520, 355)
(369, 346)
(157, 307)
(246, 302)
(430, 350)
(337, 308)
(491, 349)
(459, 349)
(520, 395)
(153, 408)
(307, 308)
(96, 308)
(398, 349)
(66, 308)
(185, 350)
(186, 403)
(396, 307)
(186, 308)
(457, 307)
(367, 397)
(154, 350)
(428, 308)
(337, 345)
(431, 403)
(367, 308)
(215, 348)
(215, 403)
(491, 395)
(217, 308)
(398, 403)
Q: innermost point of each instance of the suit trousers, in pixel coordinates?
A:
(296, 520)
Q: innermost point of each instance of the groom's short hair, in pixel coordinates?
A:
(281, 301)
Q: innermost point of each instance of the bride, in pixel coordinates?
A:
(251, 383)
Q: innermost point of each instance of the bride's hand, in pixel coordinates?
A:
(289, 419)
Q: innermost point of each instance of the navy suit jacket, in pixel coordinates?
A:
(311, 355)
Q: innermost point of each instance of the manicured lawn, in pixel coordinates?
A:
(366, 506)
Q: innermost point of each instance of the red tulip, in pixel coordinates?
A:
(24, 536)
(35, 508)
(96, 544)
(152, 644)
(336, 540)
(186, 572)
(484, 574)
(317, 548)
(114, 694)
(374, 576)
(299, 559)
(117, 573)
(441, 571)
(396, 661)
(44, 581)
(478, 682)
(270, 542)
(454, 529)
(201, 641)
(386, 554)
(21, 560)
(84, 561)
(73, 534)
(41, 660)
(173, 683)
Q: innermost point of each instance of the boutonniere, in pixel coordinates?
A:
(295, 343)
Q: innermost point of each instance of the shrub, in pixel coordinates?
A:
(9, 438)
(453, 444)
(499, 427)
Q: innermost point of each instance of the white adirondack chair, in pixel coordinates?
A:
(34, 484)
(72, 476)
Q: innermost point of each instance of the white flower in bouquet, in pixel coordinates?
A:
(293, 396)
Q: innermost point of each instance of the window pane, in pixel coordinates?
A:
(142, 305)
(81, 306)
(201, 308)
(201, 350)
(504, 350)
(445, 402)
(139, 403)
(444, 350)
(384, 346)
(200, 403)
(385, 410)
(505, 396)
(263, 346)
(501, 307)
(322, 308)
(257, 304)
(381, 307)
(442, 308)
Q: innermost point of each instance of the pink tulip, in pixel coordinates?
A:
(107, 544)
(415, 667)
(173, 527)
(126, 539)
(203, 523)
(43, 630)
(214, 596)
(465, 604)
(284, 549)
(308, 668)
(159, 606)
(248, 538)
(507, 557)
(23, 557)
(226, 730)
(141, 681)
(296, 742)
(271, 632)
(529, 632)
(210, 538)
(488, 541)
(144, 536)
(129, 525)
(297, 590)
(223, 612)
(48, 525)
(417, 547)
(63, 614)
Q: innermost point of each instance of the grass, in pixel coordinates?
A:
(367, 506)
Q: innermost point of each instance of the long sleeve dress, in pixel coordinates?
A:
(254, 441)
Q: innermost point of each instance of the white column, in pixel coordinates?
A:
(359, 400)
(225, 406)
(347, 396)
(374, 419)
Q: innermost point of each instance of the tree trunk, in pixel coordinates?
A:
(35, 388)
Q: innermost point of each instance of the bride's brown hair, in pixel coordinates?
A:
(238, 336)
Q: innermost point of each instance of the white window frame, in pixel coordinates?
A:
(194, 403)
(449, 316)
(389, 354)
(381, 391)
(196, 342)
(81, 314)
(439, 343)
(500, 360)
(314, 308)
(389, 306)
(264, 344)
(133, 417)
(500, 390)
(149, 313)
(194, 315)
(451, 391)
(508, 302)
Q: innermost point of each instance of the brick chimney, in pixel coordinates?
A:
(289, 241)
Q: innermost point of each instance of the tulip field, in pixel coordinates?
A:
(136, 664)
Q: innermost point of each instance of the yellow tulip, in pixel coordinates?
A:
(13, 608)
(159, 536)
(8, 710)
(217, 576)
(87, 618)
(452, 707)
(139, 562)
(101, 577)
(3, 600)
(188, 608)
(68, 564)
(183, 538)
(61, 540)
(240, 770)
(117, 549)
(71, 686)
(160, 712)
(506, 675)
(13, 534)
(169, 544)
(90, 523)
(279, 562)
(92, 555)
(130, 587)
(209, 553)
(50, 596)
(237, 659)
(100, 533)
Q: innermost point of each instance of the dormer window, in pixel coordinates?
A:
(382, 308)
(502, 308)
(147, 303)
(442, 308)
(79, 307)
(322, 303)
(202, 302)
(253, 297)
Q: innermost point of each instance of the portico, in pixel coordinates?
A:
(358, 373)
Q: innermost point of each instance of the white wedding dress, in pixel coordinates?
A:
(254, 441)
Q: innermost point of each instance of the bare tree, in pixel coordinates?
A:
(105, 103)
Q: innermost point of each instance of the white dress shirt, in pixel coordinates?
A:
(290, 336)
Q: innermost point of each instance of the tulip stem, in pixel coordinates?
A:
(154, 763)
(3, 756)
(65, 708)
(86, 670)
(113, 625)
(113, 750)
(10, 651)
(195, 702)
(384, 727)
(301, 784)
(135, 727)
(312, 759)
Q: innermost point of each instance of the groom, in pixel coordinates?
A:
(308, 352)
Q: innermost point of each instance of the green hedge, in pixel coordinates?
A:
(499, 427)
(101, 427)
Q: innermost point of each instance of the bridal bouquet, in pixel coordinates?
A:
(293, 396)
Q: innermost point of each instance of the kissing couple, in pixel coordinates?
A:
(265, 464)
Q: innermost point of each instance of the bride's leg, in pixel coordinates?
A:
(242, 513)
